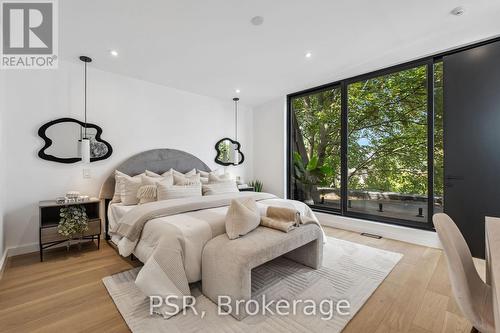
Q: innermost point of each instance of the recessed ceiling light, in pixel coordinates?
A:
(237, 91)
(308, 55)
(458, 11)
(257, 20)
(114, 53)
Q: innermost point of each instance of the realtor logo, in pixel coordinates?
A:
(29, 34)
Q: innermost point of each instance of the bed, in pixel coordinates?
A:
(168, 236)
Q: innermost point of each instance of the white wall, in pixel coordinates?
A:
(2, 169)
(269, 142)
(135, 116)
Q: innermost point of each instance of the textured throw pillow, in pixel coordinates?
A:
(220, 188)
(242, 217)
(146, 193)
(166, 192)
(129, 186)
(186, 180)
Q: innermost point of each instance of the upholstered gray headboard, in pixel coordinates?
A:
(156, 160)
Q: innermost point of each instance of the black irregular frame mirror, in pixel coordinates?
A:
(223, 156)
(100, 149)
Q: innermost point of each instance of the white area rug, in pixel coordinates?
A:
(350, 272)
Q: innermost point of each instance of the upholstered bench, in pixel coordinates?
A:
(227, 264)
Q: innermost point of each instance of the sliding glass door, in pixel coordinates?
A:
(370, 146)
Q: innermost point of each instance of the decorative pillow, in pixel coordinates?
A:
(119, 176)
(166, 192)
(153, 180)
(170, 172)
(220, 187)
(212, 178)
(129, 186)
(202, 173)
(186, 180)
(152, 174)
(146, 193)
(242, 217)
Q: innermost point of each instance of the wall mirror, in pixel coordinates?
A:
(228, 152)
(62, 141)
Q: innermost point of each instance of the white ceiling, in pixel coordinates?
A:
(209, 47)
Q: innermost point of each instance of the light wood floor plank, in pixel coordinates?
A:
(65, 293)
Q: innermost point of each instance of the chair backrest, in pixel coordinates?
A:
(468, 288)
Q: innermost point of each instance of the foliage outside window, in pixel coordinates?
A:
(387, 145)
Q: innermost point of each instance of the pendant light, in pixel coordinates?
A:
(235, 152)
(84, 140)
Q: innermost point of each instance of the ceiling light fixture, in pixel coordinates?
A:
(458, 11)
(308, 55)
(257, 20)
(237, 91)
(84, 139)
(114, 53)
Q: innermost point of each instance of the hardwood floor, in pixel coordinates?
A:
(65, 293)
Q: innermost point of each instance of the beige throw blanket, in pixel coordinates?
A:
(286, 219)
(131, 225)
(280, 218)
(164, 273)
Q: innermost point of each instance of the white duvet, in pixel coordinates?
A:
(197, 228)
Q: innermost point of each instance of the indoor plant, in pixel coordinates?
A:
(73, 221)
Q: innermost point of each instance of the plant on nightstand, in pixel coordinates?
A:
(257, 185)
(74, 221)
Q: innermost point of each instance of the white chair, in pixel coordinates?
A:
(474, 297)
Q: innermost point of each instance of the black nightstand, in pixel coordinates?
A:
(49, 220)
(248, 188)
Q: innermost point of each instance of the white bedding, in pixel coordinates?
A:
(192, 228)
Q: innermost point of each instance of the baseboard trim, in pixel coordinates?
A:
(396, 232)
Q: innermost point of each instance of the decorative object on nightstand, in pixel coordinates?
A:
(50, 218)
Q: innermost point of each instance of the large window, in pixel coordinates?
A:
(316, 148)
(371, 146)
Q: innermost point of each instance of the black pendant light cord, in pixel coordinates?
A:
(85, 103)
(236, 99)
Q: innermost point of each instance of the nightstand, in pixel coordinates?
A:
(49, 220)
(247, 188)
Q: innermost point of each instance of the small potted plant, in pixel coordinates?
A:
(257, 185)
(73, 222)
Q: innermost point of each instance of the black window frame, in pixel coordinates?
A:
(428, 61)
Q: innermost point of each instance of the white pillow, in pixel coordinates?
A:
(129, 186)
(186, 180)
(166, 192)
(220, 188)
(212, 178)
(170, 172)
(203, 174)
(153, 180)
(118, 185)
(242, 217)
